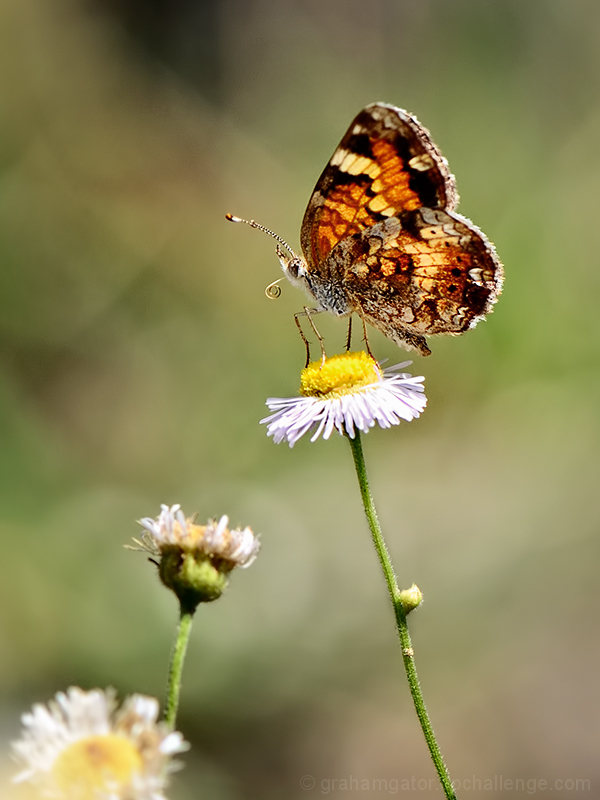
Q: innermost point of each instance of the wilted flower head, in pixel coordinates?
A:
(80, 746)
(343, 393)
(194, 561)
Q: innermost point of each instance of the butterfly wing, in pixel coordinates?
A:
(422, 272)
(385, 164)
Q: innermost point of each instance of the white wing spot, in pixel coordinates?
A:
(421, 163)
(337, 158)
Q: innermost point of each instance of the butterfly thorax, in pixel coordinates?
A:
(328, 292)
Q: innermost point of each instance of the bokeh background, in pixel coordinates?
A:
(138, 347)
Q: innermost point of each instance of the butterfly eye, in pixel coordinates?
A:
(296, 268)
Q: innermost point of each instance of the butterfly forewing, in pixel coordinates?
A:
(385, 164)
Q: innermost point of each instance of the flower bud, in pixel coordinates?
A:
(410, 598)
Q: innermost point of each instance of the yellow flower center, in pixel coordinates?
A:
(190, 538)
(96, 764)
(339, 375)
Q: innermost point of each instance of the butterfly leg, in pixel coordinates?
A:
(366, 339)
(303, 337)
(308, 312)
(349, 336)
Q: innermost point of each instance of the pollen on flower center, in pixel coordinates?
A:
(338, 375)
(96, 763)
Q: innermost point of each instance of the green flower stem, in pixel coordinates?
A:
(176, 666)
(407, 651)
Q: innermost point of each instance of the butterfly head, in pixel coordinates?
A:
(294, 267)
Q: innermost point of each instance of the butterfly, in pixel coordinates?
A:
(381, 238)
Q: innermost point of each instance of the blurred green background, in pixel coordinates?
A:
(137, 349)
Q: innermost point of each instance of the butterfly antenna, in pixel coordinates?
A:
(253, 224)
(273, 290)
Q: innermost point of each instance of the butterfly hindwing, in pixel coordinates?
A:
(422, 272)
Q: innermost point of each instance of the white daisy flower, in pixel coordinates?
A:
(194, 561)
(80, 746)
(344, 393)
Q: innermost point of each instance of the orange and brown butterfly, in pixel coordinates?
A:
(381, 238)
